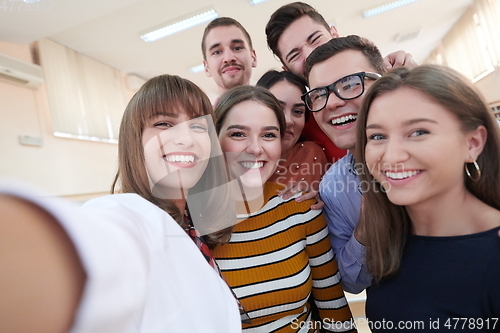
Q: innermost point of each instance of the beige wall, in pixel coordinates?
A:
(63, 167)
(490, 87)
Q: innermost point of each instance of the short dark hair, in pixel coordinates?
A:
(286, 15)
(270, 78)
(223, 22)
(337, 45)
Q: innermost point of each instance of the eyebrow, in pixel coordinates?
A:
(243, 127)
(283, 103)
(234, 41)
(308, 39)
(405, 123)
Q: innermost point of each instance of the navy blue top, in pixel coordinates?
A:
(445, 284)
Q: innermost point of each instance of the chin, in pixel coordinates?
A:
(252, 182)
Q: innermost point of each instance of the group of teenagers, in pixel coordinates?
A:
(216, 222)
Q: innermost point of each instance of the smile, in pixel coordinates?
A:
(232, 68)
(345, 120)
(180, 158)
(252, 165)
(400, 175)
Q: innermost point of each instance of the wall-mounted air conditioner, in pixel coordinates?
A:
(21, 72)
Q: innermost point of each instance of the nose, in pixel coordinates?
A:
(334, 102)
(394, 153)
(182, 135)
(229, 56)
(288, 119)
(254, 147)
(307, 50)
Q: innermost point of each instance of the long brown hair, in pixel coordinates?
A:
(165, 94)
(387, 226)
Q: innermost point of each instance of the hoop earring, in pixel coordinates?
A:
(478, 171)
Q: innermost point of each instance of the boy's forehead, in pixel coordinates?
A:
(344, 63)
(224, 34)
(298, 32)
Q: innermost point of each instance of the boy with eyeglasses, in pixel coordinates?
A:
(293, 32)
(339, 72)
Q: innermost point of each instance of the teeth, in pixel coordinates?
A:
(252, 165)
(400, 175)
(180, 158)
(344, 120)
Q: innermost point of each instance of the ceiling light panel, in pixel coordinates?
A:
(197, 68)
(256, 2)
(179, 24)
(386, 7)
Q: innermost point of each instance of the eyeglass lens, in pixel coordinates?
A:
(346, 88)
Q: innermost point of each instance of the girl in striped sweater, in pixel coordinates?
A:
(279, 252)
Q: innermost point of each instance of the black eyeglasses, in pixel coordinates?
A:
(349, 87)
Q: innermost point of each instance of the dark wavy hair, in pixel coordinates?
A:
(337, 45)
(270, 78)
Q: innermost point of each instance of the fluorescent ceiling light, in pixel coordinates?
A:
(386, 7)
(30, 1)
(197, 69)
(256, 2)
(180, 24)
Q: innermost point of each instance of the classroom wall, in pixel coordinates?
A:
(64, 167)
(490, 87)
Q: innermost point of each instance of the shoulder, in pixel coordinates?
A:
(288, 206)
(342, 169)
(136, 212)
(306, 149)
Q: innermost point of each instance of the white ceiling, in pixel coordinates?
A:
(108, 30)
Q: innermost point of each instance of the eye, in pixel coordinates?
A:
(163, 125)
(419, 133)
(269, 135)
(199, 128)
(351, 86)
(216, 52)
(293, 57)
(238, 48)
(298, 112)
(237, 135)
(316, 39)
(376, 137)
(318, 94)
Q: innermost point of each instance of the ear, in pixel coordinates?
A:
(475, 142)
(334, 32)
(254, 59)
(207, 70)
(285, 68)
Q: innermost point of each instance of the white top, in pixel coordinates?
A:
(144, 273)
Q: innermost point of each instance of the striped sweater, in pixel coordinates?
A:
(276, 257)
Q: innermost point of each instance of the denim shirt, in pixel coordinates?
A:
(340, 191)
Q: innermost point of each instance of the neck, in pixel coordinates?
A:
(180, 204)
(285, 153)
(352, 150)
(457, 213)
(248, 200)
